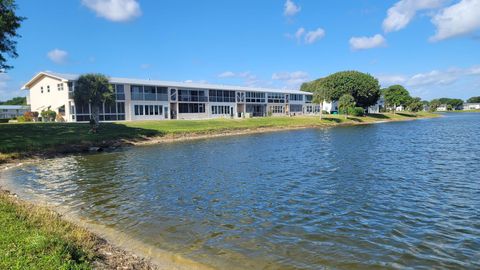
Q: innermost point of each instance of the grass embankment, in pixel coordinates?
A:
(36, 238)
(20, 140)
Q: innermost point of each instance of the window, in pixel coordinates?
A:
(221, 96)
(296, 97)
(150, 93)
(162, 93)
(191, 108)
(277, 109)
(138, 109)
(60, 87)
(137, 92)
(119, 91)
(240, 97)
(41, 89)
(276, 98)
(308, 98)
(221, 110)
(192, 95)
(296, 108)
(48, 88)
(255, 97)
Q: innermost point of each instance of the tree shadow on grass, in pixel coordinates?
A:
(407, 114)
(336, 120)
(66, 137)
(378, 116)
(354, 119)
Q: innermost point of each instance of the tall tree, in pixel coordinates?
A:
(9, 23)
(474, 100)
(15, 101)
(94, 89)
(319, 96)
(395, 96)
(345, 103)
(415, 104)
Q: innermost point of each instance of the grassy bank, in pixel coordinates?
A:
(36, 238)
(17, 140)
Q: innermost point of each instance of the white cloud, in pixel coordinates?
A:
(363, 43)
(58, 56)
(290, 8)
(291, 78)
(249, 78)
(459, 19)
(145, 66)
(387, 80)
(299, 33)
(115, 10)
(312, 36)
(402, 13)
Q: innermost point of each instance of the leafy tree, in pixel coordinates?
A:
(434, 104)
(454, 103)
(474, 100)
(364, 88)
(396, 95)
(15, 101)
(415, 104)
(346, 103)
(9, 23)
(319, 96)
(94, 89)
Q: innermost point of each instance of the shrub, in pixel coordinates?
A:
(28, 117)
(49, 115)
(357, 111)
(21, 119)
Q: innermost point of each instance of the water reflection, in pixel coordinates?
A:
(394, 195)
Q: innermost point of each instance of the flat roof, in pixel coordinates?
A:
(184, 85)
(14, 107)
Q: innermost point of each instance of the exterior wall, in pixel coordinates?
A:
(232, 105)
(12, 111)
(54, 99)
(133, 116)
(471, 106)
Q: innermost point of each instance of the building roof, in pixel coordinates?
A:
(14, 107)
(187, 85)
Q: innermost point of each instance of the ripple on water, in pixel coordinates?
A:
(395, 196)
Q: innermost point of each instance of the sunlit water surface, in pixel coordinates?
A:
(397, 195)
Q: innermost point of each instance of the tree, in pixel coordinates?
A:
(396, 95)
(319, 96)
(15, 101)
(415, 104)
(345, 103)
(434, 104)
(94, 89)
(473, 100)
(9, 23)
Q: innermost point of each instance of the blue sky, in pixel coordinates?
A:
(430, 46)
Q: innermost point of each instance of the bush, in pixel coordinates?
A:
(357, 111)
(49, 115)
(28, 117)
(21, 119)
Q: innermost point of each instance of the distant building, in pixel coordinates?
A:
(471, 106)
(377, 108)
(12, 111)
(442, 108)
(137, 99)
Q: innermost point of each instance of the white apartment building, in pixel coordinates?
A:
(12, 111)
(471, 106)
(137, 99)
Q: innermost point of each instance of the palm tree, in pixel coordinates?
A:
(345, 103)
(93, 89)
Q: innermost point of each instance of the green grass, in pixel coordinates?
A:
(36, 238)
(16, 139)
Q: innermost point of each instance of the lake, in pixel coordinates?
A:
(387, 196)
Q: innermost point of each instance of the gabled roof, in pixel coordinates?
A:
(185, 85)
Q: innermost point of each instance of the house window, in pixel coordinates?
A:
(138, 109)
(191, 108)
(48, 88)
(277, 109)
(276, 98)
(221, 110)
(60, 87)
(255, 97)
(41, 89)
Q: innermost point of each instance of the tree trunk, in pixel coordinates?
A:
(321, 110)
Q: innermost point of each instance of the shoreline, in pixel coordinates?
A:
(118, 255)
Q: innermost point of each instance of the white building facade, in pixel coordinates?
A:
(471, 106)
(162, 100)
(12, 111)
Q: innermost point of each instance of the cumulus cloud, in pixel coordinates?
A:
(249, 78)
(387, 80)
(459, 19)
(290, 8)
(291, 78)
(402, 13)
(312, 36)
(58, 56)
(363, 43)
(114, 10)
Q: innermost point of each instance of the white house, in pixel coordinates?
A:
(12, 111)
(138, 99)
(471, 106)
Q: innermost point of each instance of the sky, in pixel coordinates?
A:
(432, 47)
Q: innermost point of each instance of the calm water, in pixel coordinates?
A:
(395, 196)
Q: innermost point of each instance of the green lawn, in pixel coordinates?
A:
(35, 238)
(16, 139)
